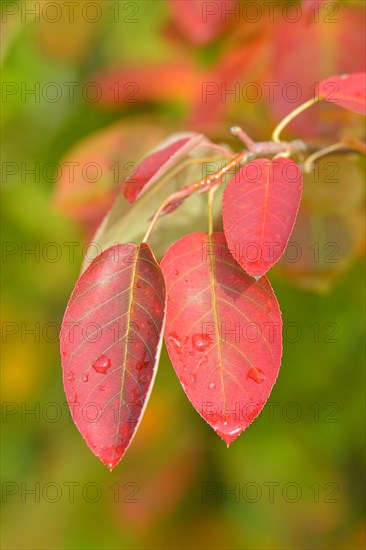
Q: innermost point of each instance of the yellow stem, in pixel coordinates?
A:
(301, 108)
(283, 154)
(308, 164)
(355, 144)
(210, 198)
(155, 218)
(166, 201)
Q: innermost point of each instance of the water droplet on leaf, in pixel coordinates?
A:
(143, 378)
(251, 414)
(124, 430)
(119, 449)
(142, 364)
(177, 342)
(214, 418)
(201, 342)
(256, 374)
(102, 364)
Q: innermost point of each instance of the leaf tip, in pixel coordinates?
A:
(111, 464)
(111, 456)
(129, 195)
(229, 437)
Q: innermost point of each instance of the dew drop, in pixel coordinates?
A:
(251, 414)
(119, 449)
(138, 284)
(234, 431)
(102, 388)
(211, 385)
(269, 306)
(201, 342)
(214, 418)
(176, 272)
(142, 364)
(102, 364)
(85, 378)
(257, 375)
(177, 342)
(75, 398)
(142, 377)
(71, 376)
(193, 378)
(124, 430)
(137, 397)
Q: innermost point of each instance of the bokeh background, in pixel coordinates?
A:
(94, 86)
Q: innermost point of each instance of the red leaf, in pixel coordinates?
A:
(303, 54)
(155, 165)
(260, 205)
(347, 90)
(223, 332)
(110, 344)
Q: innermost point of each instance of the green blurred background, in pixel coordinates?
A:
(295, 478)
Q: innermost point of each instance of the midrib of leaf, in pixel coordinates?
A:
(214, 303)
(123, 366)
